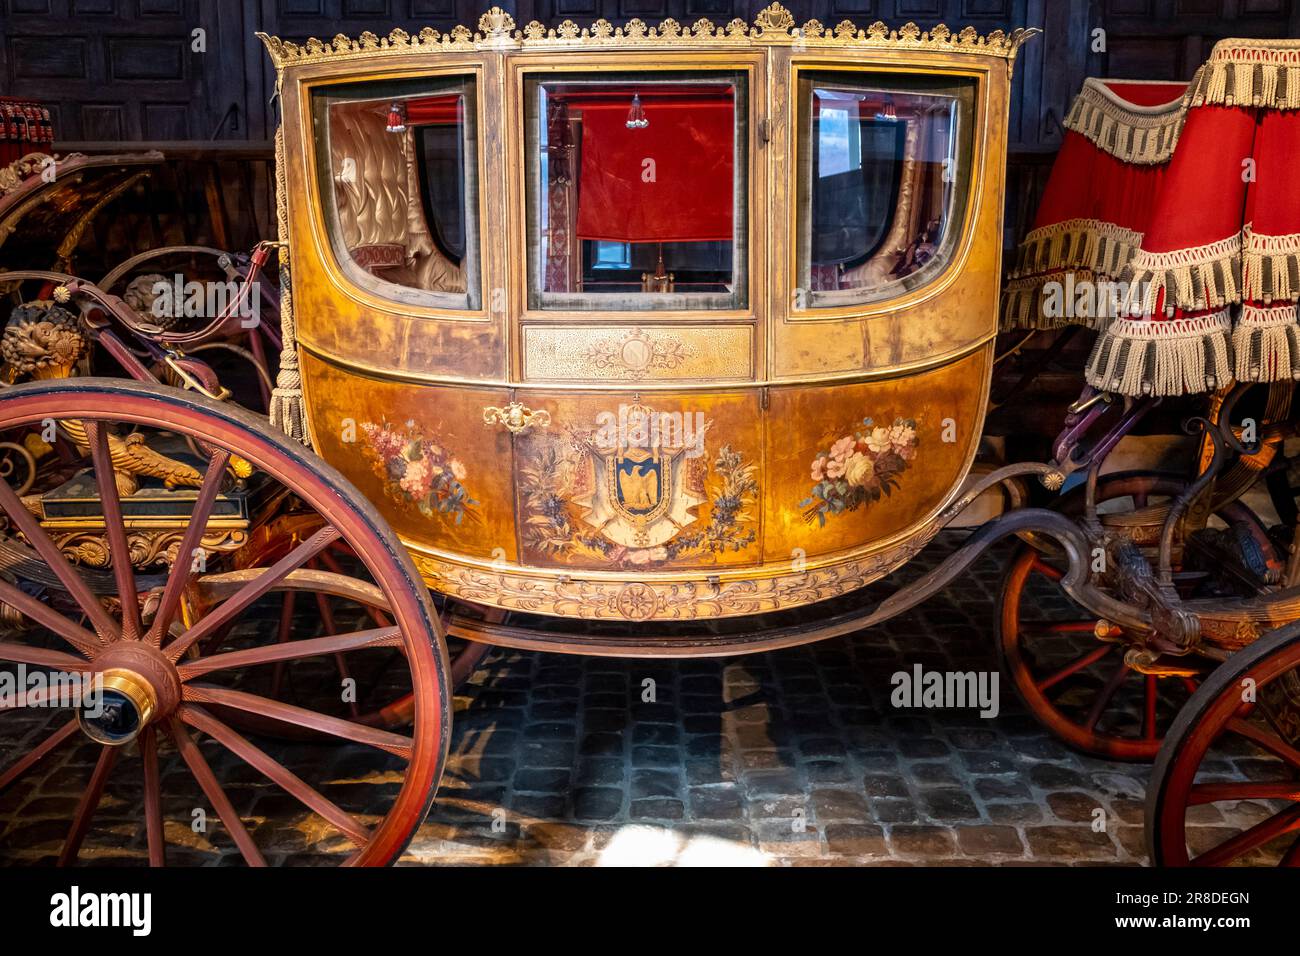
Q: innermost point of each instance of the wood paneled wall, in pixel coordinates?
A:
(129, 69)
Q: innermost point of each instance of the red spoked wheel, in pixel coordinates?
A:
(331, 598)
(171, 660)
(1068, 667)
(1200, 812)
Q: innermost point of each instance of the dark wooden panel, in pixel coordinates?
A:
(147, 58)
(103, 121)
(41, 59)
(166, 121)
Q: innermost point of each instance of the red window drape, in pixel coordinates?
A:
(685, 195)
(434, 110)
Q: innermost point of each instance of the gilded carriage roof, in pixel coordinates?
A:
(774, 25)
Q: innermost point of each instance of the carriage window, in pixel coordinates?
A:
(399, 168)
(884, 169)
(637, 191)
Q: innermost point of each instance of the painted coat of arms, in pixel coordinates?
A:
(860, 468)
(629, 491)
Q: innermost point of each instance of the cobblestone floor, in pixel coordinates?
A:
(793, 757)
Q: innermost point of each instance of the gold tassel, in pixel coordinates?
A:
(288, 407)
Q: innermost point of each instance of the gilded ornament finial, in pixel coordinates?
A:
(496, 23)
(774, 19)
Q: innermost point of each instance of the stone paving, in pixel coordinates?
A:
(788, 758)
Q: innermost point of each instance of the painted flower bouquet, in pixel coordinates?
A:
(859, 468)
(418, 469)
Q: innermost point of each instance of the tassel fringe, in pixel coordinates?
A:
(1135, 134)
(1266, 342)
(1250, 73)
(1142, 357)
(1271, 268)
(1204, 277)
(1089, 244)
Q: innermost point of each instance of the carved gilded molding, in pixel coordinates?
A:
(773, 25)
(573, 596)
(148, 548)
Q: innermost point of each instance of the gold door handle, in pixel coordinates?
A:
(516, 417)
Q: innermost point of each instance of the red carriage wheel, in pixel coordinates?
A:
(172, 667)
(335, 595)
(1067, 666)
(1196, 813)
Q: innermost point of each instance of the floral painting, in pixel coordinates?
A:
(859, 468)
(418, 469)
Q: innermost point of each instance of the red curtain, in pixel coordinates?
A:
(434, 110)
(686, 195)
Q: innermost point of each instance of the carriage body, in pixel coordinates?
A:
(770, 404)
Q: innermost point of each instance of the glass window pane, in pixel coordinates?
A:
(884, 168)
(399, 177)
(636, 189)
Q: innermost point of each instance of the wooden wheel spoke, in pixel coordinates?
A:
(1276, 825)
(105, 627)
(86, 808)
(153, 821)
(194, 759)
(40, 657)
(290, 782)
(1045, 569)
(114, 528)
(48, 697)
(1292, 855)
(299, 716)
(1104, 696)
(182, 568)
(1078, 664)
(227, 611)
(1151, 694)
(37, 754)
(292, 650)
(1062, 627)
(1248, 790)
(47, 617)
(340, 662)
(1266, 739)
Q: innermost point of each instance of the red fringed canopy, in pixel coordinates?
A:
(689, 197)
(1206, 237)
(1100, 196)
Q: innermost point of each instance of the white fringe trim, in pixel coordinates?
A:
(1146, 357)
(1270, 270)
(1203, 277)
(1267, 344)
(1250, 73)
(1142, 135)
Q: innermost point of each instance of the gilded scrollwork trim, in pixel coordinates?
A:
(708, 596)
(773, 25)
(89, 547)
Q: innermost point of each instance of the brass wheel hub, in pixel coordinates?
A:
(134, 685)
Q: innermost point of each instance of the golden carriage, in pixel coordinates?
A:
(713, 335)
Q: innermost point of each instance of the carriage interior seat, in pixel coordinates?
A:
(388, 192)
